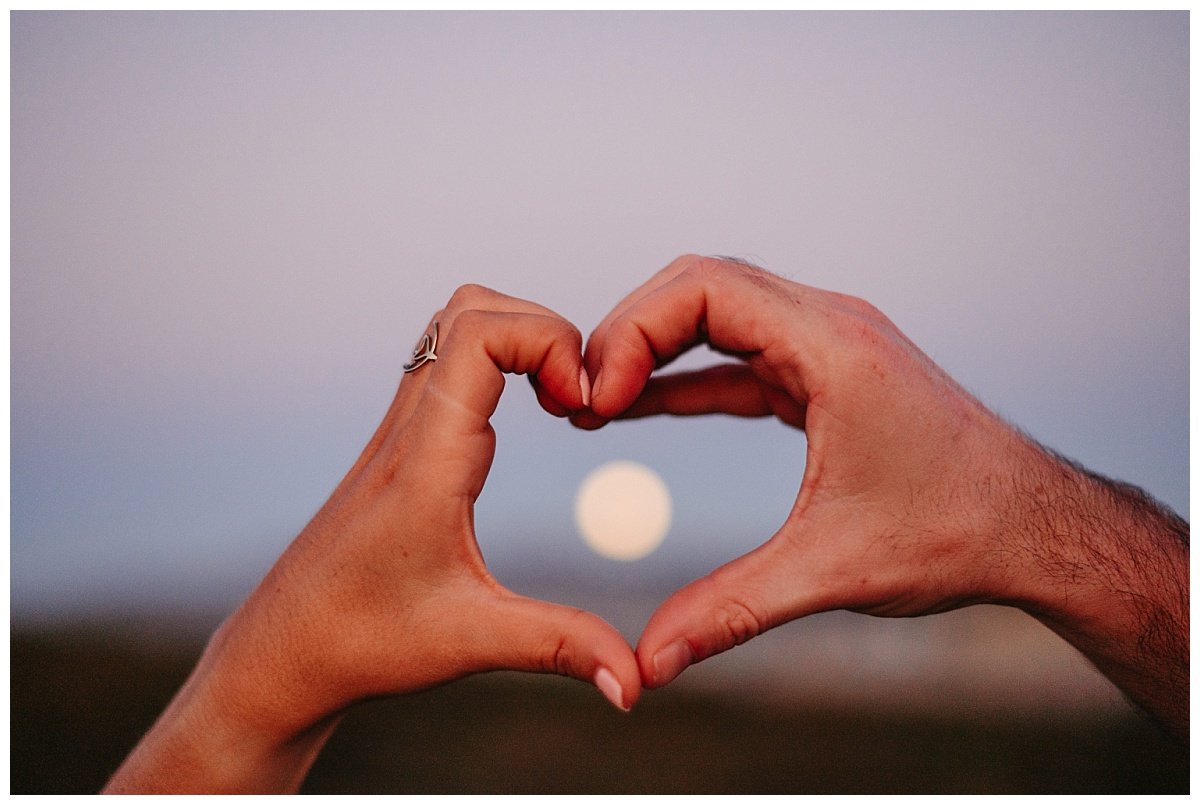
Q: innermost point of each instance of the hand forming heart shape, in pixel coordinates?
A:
(915, 499)
(897, 512)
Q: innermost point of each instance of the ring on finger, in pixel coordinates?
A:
(424, 352)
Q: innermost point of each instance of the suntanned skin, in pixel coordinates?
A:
(915, 497)
(385, 592)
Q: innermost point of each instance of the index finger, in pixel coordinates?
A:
(466, 298)
(591, 357)
(737, 309)
(465, 383)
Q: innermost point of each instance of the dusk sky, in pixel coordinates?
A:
(227, 231)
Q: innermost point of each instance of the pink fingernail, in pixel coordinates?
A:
(669, 662)
(585, 388)
(610, 687)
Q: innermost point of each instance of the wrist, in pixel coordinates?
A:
(1038, 535)
(222, 734)
(1087, 549)
(1106, 567)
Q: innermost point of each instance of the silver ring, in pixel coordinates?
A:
(424, 353)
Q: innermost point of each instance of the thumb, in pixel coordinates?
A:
(525, 634)
(734, 603)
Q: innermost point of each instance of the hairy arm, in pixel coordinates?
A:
(916, 498)
(1107, 569)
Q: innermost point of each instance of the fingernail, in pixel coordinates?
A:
(669, 662)
(585, 388)
(610, 687)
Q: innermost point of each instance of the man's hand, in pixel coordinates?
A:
(915, 498)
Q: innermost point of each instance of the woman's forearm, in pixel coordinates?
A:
(215, 737)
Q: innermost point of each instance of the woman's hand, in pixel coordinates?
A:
(385, 591)
(915, 498)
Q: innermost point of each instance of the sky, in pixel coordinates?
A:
(227, 231)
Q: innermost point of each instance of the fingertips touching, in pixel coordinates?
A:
(628, 359)
(559, 408)
(662, 323)
(547, 400)
(608, 684)
(560, 377)
(585, 387)
(666, 664)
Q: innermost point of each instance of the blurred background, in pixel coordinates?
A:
(228, 229)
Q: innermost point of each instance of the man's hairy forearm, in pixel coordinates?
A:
(1113, 568)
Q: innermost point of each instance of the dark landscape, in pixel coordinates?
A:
(82, 696)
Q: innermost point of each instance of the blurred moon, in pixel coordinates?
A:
(623, 510)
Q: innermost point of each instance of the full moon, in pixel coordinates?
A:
(623, 510)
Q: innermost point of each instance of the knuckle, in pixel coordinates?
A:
(463, 328)
(863, 325)
(698, 266)
(705, 270)
(557, 655)
(569, 334)
(686, 262)
(861, 333)
(738, 623)
(721, 269)
(554, 657)
(560, 662)
(470, 320)
(631, 342)
(861, 307)
(470, 296)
